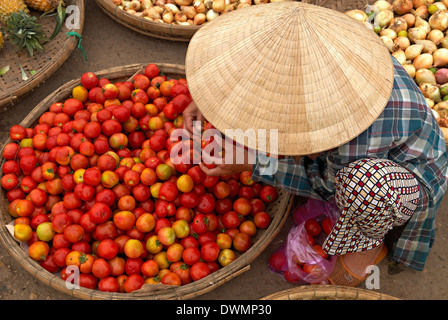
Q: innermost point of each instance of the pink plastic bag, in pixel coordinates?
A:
(297, 248)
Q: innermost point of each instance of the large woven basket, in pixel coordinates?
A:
(278, 210)
(322, 292)
(149, 28)
(57, 51)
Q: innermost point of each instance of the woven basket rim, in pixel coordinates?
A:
(146, 27)
(10, 97)
(319, 292)
(225, 274)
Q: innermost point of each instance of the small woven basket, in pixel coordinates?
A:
(321, 292)
(278, 210)
(57, 51)
(146, 27)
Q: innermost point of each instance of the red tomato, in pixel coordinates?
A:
(107, 249)
(327, 225)
(268, 194)
(206, 203)
(101, 268)
(231, 220)
(312, 227)
(278, 260)
(242, 242)
(210, 251)
(133, 282)
(262, 219)
(108, 284)
(100, 213)
(191, 255)
(200, 223)
(199, 270)
(320, 251)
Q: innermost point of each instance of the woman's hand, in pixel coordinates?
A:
(191, 114)
(242, 160)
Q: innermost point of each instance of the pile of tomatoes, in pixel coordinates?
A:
(92, 186)
(315, 232)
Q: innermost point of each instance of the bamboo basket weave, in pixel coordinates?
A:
(278, 210)
(328, 292)
(149, 28)
(57, 51)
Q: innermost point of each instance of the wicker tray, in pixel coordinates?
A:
(57, 51)
(313, 292)
(149, 28)
(279, 211)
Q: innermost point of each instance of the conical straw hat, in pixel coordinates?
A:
(317, 76)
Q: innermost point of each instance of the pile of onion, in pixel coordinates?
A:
(416, 34)
(184, 12)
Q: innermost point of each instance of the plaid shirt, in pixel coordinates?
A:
(406, 133)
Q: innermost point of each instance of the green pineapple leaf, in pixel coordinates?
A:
(25, 32)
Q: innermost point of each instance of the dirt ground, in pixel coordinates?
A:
(109, 44)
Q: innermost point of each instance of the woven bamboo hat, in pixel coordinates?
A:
(314, 77)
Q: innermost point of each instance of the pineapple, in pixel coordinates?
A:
(25, 32)
(43, 5)
(1, 40)
(9, 6)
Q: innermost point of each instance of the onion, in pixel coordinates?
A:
(425, 76)
(422, 23)
(388, 42)
(440, 5)
(413, 51)
(419, 3)
(445, 2)
(401, 43)
(381, 5)
(189, 11)
(199, 7)
(398, 24)
(172, 8)
(402, 7)
(400, 56)
(435, 36)
(383, 18)
(388, 33)
(199, 19)
(431, 104)
(146, 4)
(208, 4)
(431, 91)
(183, 2)
(444, 42)
(415, 34)
(168, 17)
(180, 17)
(441, 108)
(440, 57)
(409, 67)
(229, 8)
(357, 14)
(439, 20)
(423, 61)
(211, 15)
(428, 46)
(154, 12)
(421, 12)
(441, 76)
(410, 19)
(136, 5)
